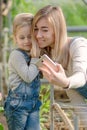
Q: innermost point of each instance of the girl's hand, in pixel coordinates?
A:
(57, 76)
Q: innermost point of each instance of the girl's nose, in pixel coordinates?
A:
(26, 40)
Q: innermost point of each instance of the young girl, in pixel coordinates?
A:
(22, 103)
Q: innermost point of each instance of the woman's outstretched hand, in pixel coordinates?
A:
(57, 76)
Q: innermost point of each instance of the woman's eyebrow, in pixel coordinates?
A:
(44, 27)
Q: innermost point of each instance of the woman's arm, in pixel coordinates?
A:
(78, 65)
(78, 57)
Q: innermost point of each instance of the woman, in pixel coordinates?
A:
(50, 37)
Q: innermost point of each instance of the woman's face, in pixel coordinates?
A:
(44, 33)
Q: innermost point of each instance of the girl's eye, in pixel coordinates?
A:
(29, 37)
(22, 37)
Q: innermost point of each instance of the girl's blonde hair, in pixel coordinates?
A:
(56, 18)
(21, 20)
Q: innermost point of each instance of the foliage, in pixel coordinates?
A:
(75, 12)
(1, 127)
(26, 6)
(1, 109)
(45, 98)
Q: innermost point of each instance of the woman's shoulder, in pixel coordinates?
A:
(77, 42)
(78, 39)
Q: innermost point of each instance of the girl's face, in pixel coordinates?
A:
(44, 33)
(23, 38)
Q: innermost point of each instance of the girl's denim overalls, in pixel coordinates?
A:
(22, 105)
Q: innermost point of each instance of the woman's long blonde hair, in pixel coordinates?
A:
(56, 18)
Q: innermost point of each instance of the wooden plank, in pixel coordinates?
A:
(63, 115)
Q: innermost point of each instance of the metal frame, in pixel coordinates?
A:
(57, 107)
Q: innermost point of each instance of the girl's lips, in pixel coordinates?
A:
(27, 44)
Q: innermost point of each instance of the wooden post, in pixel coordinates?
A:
(51, 108)
(64, 116)
(0, 30)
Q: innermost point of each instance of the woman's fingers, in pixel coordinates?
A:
(44, 70)
(54, 76)
(50, 68)
(61, 69)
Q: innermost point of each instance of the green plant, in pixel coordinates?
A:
(1, 127)
(45, 98)
(1, 109)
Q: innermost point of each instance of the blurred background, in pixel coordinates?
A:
(75, 12)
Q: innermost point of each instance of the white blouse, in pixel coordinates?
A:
(77, 65)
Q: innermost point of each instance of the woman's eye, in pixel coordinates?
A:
(45, 30)
(35, 29)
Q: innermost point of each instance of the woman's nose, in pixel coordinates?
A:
(39, 34)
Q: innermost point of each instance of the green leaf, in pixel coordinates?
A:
(1, 127)
(1, 109)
